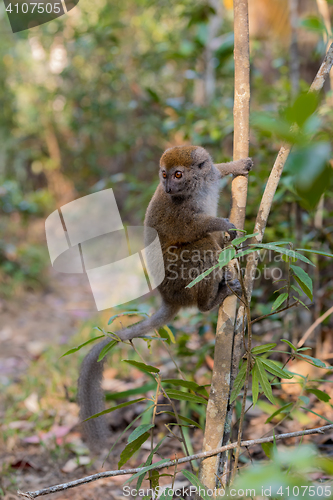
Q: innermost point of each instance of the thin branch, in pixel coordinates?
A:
(270, 189)
(171, 463)
(275, 312)
(260, 225)
(314, 326)
(246, 385)
(220, 388)
(266, 204)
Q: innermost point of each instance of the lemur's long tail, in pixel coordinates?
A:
(90, 394)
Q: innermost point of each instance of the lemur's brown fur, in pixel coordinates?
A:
(183, 212)
(179, 155)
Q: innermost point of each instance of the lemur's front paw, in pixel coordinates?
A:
(245, 166)
(235, 287)
(230, 226)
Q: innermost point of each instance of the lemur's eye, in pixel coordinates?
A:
(178, 175)
(201, 164)
(164, 175)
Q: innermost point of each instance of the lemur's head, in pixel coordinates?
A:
(184, 168)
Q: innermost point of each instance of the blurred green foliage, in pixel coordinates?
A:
(117, 83)
(103, 91)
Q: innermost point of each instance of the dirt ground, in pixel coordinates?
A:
(29, 324)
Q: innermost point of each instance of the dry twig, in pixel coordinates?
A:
(171, 463)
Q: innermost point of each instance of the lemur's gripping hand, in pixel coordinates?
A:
(229, 226)
(243, 166)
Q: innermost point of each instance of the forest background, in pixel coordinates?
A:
(90, 101)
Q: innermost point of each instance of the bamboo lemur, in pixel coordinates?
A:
(183, 212)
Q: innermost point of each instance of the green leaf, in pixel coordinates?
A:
(255, 385)
(185, 396)
(279, 300)
(106, 349)
(151, 386)
(75, 349)
(226, 256)
(241, 239)
(169, 333)
(285, 251)
(303, 107)
(313, 361)
(146, 469)
(321, 395)
(287, 259)
(246, 252)
(272, 367)
(305, 289)
(129, 426)
(299, 300)
(268, 449)
(109, 410)
(131, 448)
(297, 290)
(279, 126)
(326, 254)
(313, 23)
(264, 382)
(188, 384)
(167, 494)
(262, 348)
(197, 483)
(182, 383)
(148, 462)
(142, 366)
(290, 344)
(239, 382)
(282, 242)
(154, 477)
(185, 419)
(304, 399)
(238, 241)
(303, 279)
(310, 171)
(202, 390)
(201, 276)
(283, 409)
(321, 416)
(127, 313)
(141, 429)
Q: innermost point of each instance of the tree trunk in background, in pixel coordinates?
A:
(205, 85)
(294, 56)
(61, 187)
